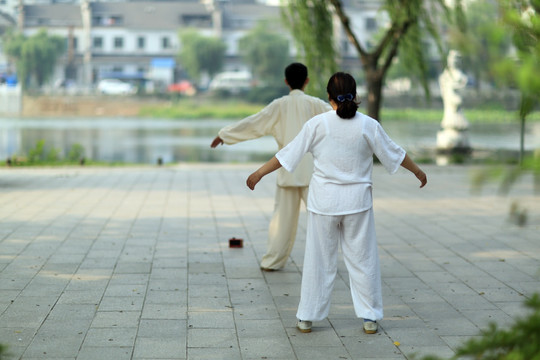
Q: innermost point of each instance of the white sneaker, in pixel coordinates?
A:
(304, 326)
(370, 326)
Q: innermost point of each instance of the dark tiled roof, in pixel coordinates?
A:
(144, 15)
(52, 15)
(153, 15)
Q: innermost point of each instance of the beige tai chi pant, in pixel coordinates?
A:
(355, 235)
(282, 228)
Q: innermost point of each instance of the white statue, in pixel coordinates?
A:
(452, 81)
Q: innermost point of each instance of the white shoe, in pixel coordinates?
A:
(304, 326)
(370, 326)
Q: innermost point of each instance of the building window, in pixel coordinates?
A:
(141, 42)
(96, 20)
(117, 69)
(114, 20)
(196, 20)
(165, 43)
(118, 43)
(371, 24)
(97, 42)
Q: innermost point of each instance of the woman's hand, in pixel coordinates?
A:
(420, 175)
(253, 179)
(272, 165)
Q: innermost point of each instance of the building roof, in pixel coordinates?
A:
(151, 15)
(53, 15)
(146, 15)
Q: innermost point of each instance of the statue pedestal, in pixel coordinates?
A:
(453, 140)
(452, 146)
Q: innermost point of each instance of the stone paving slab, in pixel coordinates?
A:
(134, 263)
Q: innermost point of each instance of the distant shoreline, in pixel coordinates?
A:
(233, 109)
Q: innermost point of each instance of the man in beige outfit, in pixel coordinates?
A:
(283, 119)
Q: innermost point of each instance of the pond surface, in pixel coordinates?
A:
(136, 140)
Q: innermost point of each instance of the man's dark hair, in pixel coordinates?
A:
(296, 75)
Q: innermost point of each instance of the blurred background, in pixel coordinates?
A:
(153, 81)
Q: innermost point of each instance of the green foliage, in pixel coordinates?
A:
(483, 41)
(265, 94)
(41, 155)
(37, 153)
(508, 175)
(522, 20)
(76, 153)
(201, 54)
(34, 56)
(310, 23)
(520, 342)
(414, 44)
(3, 352)
(266, 52)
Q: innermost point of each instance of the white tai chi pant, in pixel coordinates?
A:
(282, 228)
(355, 234)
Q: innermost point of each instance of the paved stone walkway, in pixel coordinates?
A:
(134, 263)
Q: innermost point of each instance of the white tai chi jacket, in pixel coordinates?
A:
(343, 152)
(283, 118)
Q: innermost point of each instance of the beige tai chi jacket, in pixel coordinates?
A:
(283, 119)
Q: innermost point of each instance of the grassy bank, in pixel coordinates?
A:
(191, 109)
(472, 115)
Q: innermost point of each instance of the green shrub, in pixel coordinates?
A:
(520, 342)
(76, 153)
(36, 154)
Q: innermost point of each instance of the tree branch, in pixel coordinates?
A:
(395, 40)
(347, 26)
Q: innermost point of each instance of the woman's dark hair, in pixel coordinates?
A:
(296, 75)
(341, 89)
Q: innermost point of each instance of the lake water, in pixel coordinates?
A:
(136, 140)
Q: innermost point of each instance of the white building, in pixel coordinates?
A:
(139, 39)
(136, 40)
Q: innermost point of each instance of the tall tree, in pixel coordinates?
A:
(522, 19)
(407, 19)
(201, 54)
(266, 52)
(310, 23)
(483, 42)
(34, 56)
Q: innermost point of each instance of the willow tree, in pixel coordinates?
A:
(310, 23)
(408, 19)
(266, 52)
(201, 53)
(521, 18)
(35, 56)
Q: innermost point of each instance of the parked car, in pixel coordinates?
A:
(115, 87)
(183, 87)
(233, 81)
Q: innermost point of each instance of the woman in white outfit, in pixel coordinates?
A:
(342, 142)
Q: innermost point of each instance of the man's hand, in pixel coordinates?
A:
(217, 141)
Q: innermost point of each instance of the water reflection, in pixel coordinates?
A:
(137, 140)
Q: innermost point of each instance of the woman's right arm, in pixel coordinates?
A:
(410, 165)
(272, 165)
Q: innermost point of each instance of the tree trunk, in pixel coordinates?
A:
(374, 80)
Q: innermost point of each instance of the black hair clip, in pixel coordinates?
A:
(342, 98)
